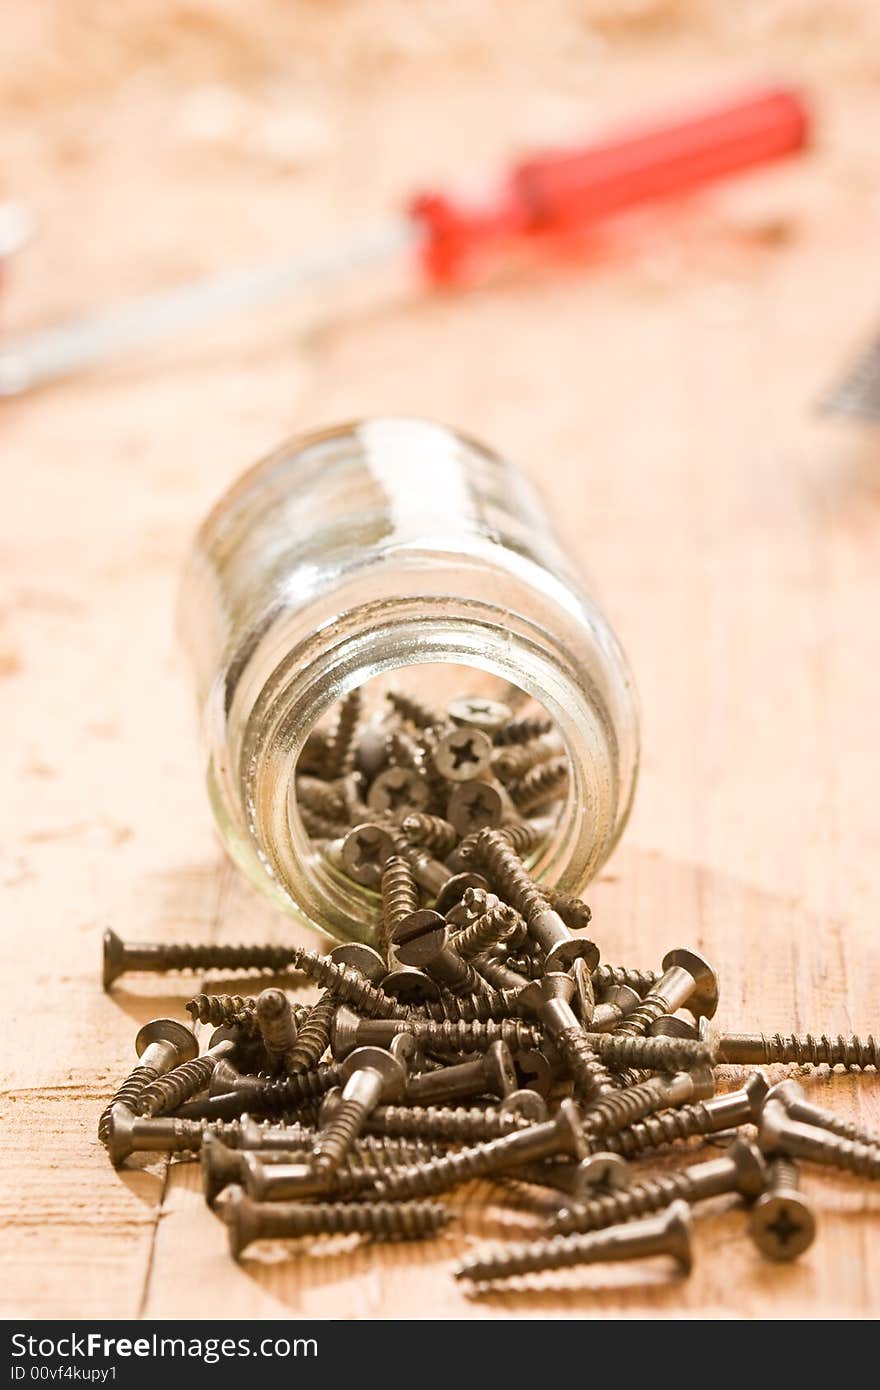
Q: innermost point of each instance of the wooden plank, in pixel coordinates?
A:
(661, 399)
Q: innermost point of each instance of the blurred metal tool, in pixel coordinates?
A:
(543, 199)
(858, 393)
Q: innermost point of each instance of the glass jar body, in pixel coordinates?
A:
(358, 551)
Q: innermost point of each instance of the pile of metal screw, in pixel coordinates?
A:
(480, 1037)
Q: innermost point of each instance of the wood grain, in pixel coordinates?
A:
(661, 394)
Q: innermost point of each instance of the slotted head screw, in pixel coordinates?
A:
(782, 1223)
(462, 755)
(398, 792)
(493, 1073)
(666, 1234)
(365, 851)
(423, 941)
(371, 1075)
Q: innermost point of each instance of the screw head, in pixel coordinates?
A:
(114, 957)
(391, 1070)
(569, 1128)
(603, 1170)
(365, 850)
(757, 1089)
(362, 958)
(462, 755)
(563, 955)
(410, 986)
(474, 713)
(398, 791)
(120, 1139)
(704, 1000)
(525, 1102)
(535, 1070)
(772, 1128)
(238, 1214)
(677, 1229)
(782, 1225)
(220, 1166)
(787, 1093)
(751, 1170)
(671, 1026)
(169, 1030)
(344, 1031)
(474, 806)
(500, 1070)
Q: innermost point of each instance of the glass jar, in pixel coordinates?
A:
(358, 551)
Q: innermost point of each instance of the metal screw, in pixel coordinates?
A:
(423, 941)
(415, 711)
(472, 1008)
(370, 1075)
(455, 1124)
(666, 1234)
(688, 981)
(780, 1134)
(622, 1108)
(546, 782)
(248, 1221)
(500, 922)
(705, 1117)
(523, 729)
(462, 755)
(851, 1053)
(492, 1073)
(800, 1108)
(224, 1010)
(161, 1044)
(607, 977)
(340, 753)
(614, 1008)
(655, 1054)
(561, 1135)
(474, 713)
(276, 1025)
(436, 834)
(782, 1224)
(546, 927)
(154, 956)
(364, 852)
(551, 1001)
(398, 792)
(741, 1169)
(473, 806)
(175, 1086)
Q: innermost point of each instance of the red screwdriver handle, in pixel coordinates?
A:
(577, 188)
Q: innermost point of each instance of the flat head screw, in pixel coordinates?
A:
(365, 851)
(371, 1075)
(158, 956)
(551, 1000)
(666, 1234)
(619, 1002)
(782, 1222)
(493, 1073)
(795, 1100)
(510, 880)
(688, 981)
(805, 1050)
(780, 1134)
(161, 1045)
(454, 889)
(561, 1135)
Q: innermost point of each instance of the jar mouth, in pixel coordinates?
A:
(368, 642)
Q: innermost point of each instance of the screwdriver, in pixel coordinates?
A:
(548, 195)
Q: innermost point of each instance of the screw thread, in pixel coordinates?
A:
(657, 1054)
(403, 751)
(340, 754)
(452, 1123)
(127, 1095)
(269, 1097)
(428, 1179)
(486, 931)
(324, 799)
(224, 1010)
(558, 1252)
(400, 894)
(335, 1141)
(322, 827)
(167, 1092)
(614, 1207)
(345, 982)
(522, 729)
(622, 1108)
(470, 1008)
(469, 1037)
(861, 1159)
(382, 1220)
(658, 1131)
(516, 760)
(607, 977)
(189, 956)
(546, 782)
(592, 1080)
(510, 877)
(851, 1053)
(574, 912)
(636, 1024)
(313, 1038)
(276, 1024)
(433, 833)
